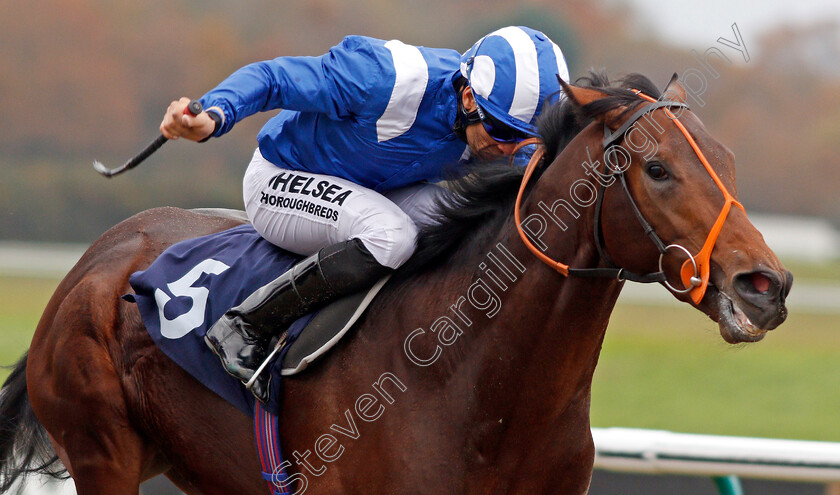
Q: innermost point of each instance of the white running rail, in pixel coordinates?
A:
(664, 452)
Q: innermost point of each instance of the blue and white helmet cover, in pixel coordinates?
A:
(513, 72)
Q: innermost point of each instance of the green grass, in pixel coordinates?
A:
(824, 271)
(21, 302)
(668, 368)
(661, 367)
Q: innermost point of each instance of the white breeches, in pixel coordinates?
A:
(303, 212)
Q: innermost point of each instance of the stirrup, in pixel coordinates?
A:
(281, 343)
(218, 338)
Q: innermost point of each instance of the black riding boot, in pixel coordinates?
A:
(241, 337)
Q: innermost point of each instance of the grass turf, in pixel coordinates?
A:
(668, 368)
(21, 302)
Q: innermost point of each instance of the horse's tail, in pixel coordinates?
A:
(25, 447)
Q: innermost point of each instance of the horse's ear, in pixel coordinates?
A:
(584, 96)
(674, 91)
(581, 96)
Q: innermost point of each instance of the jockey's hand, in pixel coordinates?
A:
(180, 124)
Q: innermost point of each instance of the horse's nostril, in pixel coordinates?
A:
(758, 286)
(760, 282)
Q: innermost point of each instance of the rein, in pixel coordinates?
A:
(694, 272)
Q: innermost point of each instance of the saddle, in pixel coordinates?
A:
(326, 328)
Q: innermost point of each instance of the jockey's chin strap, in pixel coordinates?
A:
(695, 271)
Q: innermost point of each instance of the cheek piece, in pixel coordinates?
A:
(702, 260)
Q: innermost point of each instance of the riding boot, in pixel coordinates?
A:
(241, 337)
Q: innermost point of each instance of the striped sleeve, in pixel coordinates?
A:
(346, 81)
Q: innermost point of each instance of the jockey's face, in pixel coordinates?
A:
(481, 144)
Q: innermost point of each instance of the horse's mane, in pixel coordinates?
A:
(473, 208)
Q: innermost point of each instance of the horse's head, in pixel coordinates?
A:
(670, 173)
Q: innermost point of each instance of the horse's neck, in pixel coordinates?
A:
(546, 344)
(531, 337)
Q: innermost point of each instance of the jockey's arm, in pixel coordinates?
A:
(337, 84)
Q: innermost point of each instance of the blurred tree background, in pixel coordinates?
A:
(89, 79)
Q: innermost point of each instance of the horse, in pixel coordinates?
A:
(471, 371)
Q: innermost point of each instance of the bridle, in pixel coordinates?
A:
(695, 271)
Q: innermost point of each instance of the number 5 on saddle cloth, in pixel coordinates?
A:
(194, 282)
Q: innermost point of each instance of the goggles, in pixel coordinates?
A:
(500, 131)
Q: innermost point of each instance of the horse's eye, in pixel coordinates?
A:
(656, 171)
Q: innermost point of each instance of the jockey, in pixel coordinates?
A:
(344, 172)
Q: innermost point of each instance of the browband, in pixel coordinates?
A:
(611, 138)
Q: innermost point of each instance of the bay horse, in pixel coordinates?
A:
(471, 371)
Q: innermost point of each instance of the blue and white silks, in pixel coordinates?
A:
(377, 113)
